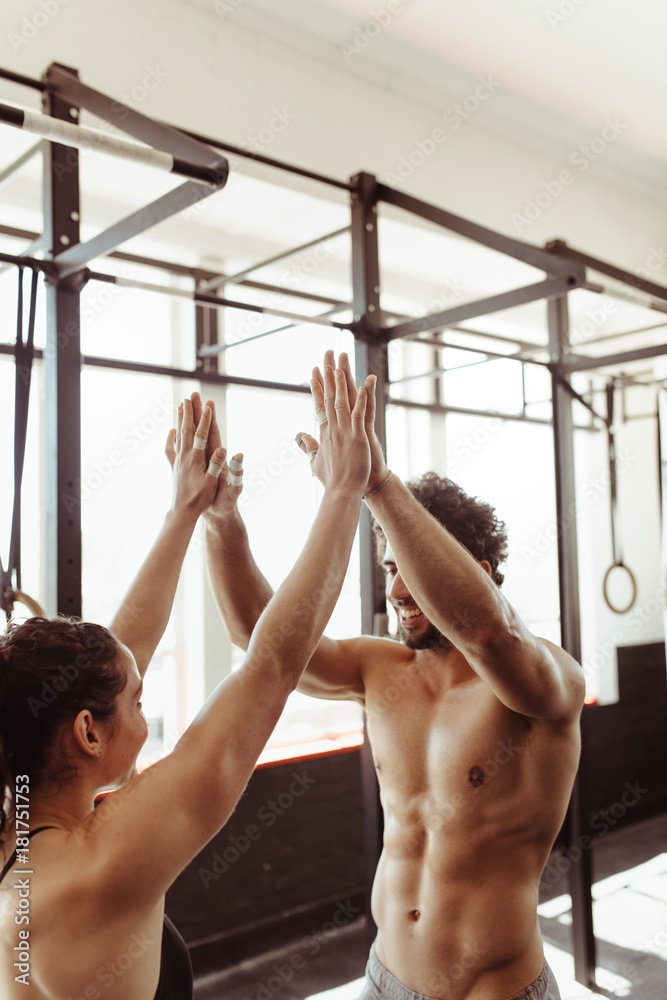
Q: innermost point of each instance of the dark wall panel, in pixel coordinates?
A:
(289, 861)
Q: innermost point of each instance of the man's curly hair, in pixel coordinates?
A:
(472, 522)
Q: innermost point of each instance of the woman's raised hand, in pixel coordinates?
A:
(342, 458)
(195, 474)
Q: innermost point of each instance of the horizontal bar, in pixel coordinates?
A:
(526, 252)
(81, 137)
(465, 411)
(268, 161)
(222, 346)
(24, 158)
(561, 249)
(482, 307)
(212, 300)
(24, 81)
(524, 344)
(69, 88)
(76, 257)
(488, 356)
(27, 252)
(46, 266)
(225, 146)
(179, 373)
(587, 364)
(230, 278)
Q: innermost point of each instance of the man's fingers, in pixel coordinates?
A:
(188, 428)
(344, 363)
(201, 436)
(179, 427)
(170, 447)
(329, 394)
(341, 401)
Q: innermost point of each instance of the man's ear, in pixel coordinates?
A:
(87, 734)
(486, 566)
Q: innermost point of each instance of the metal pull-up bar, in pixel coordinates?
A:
(81, 137)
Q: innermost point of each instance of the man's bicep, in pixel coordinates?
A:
(335, 671)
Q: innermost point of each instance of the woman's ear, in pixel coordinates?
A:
(87, 734)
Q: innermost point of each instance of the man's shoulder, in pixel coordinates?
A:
(370, 649)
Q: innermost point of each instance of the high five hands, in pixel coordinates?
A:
(327, 388)
(348, 455)
(203, 479)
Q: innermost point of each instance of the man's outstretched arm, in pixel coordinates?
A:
(530, 676)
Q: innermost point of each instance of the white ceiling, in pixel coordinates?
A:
(605, 58)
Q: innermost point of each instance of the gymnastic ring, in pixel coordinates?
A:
(29, 602)
(617, 565)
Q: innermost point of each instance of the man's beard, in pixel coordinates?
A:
(430, 638)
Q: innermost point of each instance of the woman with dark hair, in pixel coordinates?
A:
(82, 904)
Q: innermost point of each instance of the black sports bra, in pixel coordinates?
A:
(176, 977)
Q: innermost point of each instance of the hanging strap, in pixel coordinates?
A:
(24, 355)
(24, 359)
(616, 544)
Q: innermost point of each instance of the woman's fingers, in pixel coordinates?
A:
(217, 463)
(214, 440)
(317, 389)
(201, 435)
(235, 471)
(359, 410)
(170, 447)
(370, 383)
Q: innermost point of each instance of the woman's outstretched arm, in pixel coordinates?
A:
(143, 616)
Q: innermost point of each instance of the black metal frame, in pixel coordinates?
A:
(565, 269)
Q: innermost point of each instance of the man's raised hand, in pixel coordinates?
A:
(379, 470)
(342, 458)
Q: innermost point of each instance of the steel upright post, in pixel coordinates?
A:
(580, 868)
(370, 358)
(62, 370)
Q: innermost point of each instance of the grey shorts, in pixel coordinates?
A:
(381, 985)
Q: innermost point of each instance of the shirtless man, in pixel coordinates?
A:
(475, 758)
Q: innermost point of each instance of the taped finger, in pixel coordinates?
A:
(214, 469)
(199, 443)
